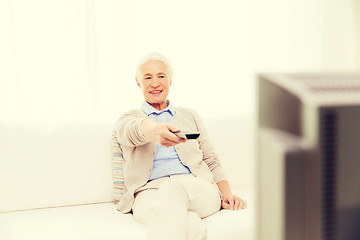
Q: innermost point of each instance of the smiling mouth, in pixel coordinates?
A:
(156, 91)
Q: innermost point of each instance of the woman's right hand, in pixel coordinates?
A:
(166, 136)
(160, 132)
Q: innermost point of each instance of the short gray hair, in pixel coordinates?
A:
(154, 56)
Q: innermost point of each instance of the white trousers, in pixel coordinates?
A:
(173, 206)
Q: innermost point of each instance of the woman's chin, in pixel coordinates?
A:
(157, 103)
(156, 99)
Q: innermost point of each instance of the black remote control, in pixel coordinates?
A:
(187, 135)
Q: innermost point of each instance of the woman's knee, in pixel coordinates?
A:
(143, 205)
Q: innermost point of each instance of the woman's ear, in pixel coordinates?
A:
(137, 82)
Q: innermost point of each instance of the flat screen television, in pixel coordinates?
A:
(308, 156)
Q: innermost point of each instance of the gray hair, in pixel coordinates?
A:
(154, 56)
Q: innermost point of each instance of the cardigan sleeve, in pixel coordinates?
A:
(128, 129)
(209, 155)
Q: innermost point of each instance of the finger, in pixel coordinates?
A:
(237, 204)
(225, 205)
(174, 139)
(242, 204)
(167, 143)
(177, 139)
(245, 205)
(231, 201)
(172, 128)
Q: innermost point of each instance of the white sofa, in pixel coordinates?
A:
(56, 181)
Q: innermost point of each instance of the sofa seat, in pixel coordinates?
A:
(102, 221)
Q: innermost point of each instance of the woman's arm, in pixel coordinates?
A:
(134, 129)
(230, 201)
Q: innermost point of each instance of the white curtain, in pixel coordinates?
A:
(74, 60)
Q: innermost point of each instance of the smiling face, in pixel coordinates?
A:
(154, 83)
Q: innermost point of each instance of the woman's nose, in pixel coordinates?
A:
(155, 82)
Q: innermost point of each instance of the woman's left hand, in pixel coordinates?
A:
(233, 202)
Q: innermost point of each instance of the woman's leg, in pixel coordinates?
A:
(204, 197)
(170, 217)
(142, 207)
(145, 199)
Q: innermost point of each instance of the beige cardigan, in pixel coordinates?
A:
(138, 153)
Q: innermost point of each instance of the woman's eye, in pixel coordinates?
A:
(161, 76)
(147, 78)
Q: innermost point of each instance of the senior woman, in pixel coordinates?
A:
(170, 182)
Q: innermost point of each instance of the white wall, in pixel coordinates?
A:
(65, 60)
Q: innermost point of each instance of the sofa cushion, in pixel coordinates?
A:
(51, 165)
(117, 168)
(104, 222)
